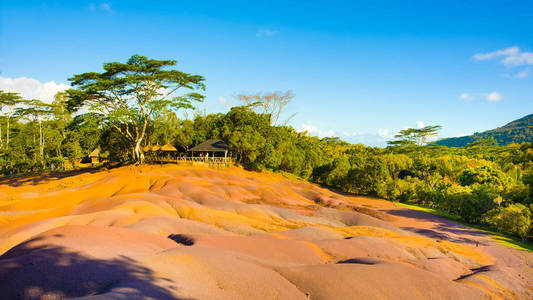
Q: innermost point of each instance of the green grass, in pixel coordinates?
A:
(504, 239)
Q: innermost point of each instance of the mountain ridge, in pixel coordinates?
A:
(517, 131)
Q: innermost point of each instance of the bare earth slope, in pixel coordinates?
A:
(170, 232)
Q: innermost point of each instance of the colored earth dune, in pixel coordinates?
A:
(171, 232)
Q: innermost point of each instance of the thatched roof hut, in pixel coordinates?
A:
(168, 147)
(94, 156)
(95, 153)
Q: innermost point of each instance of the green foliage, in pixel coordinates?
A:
(483, 175)
(415, 136)
(130, 94)
(514, 219)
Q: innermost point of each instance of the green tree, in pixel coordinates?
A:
(129, 93)
(271, 103)
(484, 175)
(514, 219)
(36, 111)
(8, 101)
(415, 136)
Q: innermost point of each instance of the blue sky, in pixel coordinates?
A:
(361, 70)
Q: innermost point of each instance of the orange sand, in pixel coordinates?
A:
(236, 235)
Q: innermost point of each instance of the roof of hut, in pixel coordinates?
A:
(147, 148)
(212, 146)
(95, 153)
(168, 147)
(156, 148)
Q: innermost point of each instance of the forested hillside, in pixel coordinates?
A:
(518, 131)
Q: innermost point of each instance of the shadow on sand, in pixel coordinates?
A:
(442, 229)
(52, 272)
(36, 179)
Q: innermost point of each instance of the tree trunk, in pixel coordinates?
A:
(41, 139)
(139, 155)
(7, 131)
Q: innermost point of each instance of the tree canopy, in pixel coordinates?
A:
(129, 94)
(415, 136)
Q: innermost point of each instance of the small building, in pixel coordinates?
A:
(94, 156)
(168, 148)
(210, 148)
(168, 151)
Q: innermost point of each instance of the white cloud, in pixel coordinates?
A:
(222, 100)
(494, 96)
(314, 131)
(378, 138)
(329, 133)
(465, 96)
(522, 74)
(349, 134)
(266, 32)
(491, 97)
(30, 88)
(384, 133)
(104, 6)
(420, 124)
(512, 56)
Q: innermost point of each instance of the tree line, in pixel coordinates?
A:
(134, 104)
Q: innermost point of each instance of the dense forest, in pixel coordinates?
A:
(516, 132)
(133, 104)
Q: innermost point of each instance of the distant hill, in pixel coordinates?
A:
(517, 131)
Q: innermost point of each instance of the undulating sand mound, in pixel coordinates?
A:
(171, 232)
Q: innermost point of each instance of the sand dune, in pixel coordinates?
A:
(170, 232)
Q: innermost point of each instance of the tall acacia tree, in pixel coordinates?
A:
(35, 111)
(415, 136)
(9, 101)
(129, 93)
(268, 103)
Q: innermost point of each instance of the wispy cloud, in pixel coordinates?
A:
(494, 96)
(522, 74)
(378, 138)
(385, 134)
(315, 131)
(465, 96)
(491, 97)
(104, 6)
(30, 88)
(512, 56)
(222, 100)
(266, 32)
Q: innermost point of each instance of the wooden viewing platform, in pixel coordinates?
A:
(213, 162)
(211, 153)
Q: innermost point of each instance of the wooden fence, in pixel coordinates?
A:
(213, 162)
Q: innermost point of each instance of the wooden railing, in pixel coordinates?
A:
(215, 162)
(205, 159)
